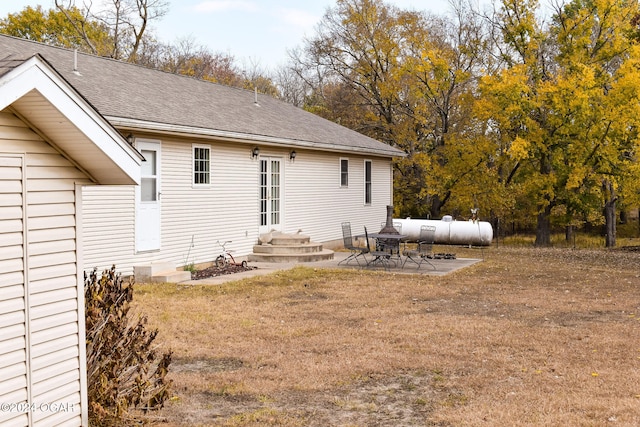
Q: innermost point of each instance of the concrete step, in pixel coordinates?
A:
(160, 272)
(153, 268)
(322, 255)
(289, 249)
(278, 238)
(289, 239)
(175, 276)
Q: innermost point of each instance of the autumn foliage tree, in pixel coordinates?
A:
(528, 114)
(564, 108)
(443, 65)
(407, 79)
(54, 28)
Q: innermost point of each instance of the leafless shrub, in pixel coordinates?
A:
(123, 367)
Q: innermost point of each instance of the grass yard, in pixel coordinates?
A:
(529, 337)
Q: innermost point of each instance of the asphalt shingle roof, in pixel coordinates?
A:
(128, 92)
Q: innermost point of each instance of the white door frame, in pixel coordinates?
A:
(270, 193)
(148, 195)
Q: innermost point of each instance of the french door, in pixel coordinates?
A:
(270, 194)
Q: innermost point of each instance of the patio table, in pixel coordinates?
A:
(390, 240)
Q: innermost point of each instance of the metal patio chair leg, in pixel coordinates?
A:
(356, 251)
(424, 250)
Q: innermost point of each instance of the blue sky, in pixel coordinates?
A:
(255, 32)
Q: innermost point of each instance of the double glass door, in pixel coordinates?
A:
(270, 194)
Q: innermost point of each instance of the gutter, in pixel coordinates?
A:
(188, 131)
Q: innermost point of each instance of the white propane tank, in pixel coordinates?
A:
(448, 231)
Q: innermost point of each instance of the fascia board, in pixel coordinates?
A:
(35, 74)
(177, 130)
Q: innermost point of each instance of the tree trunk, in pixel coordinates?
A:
(569, 233)
(609, 212)
(543, 229)
(610, 224)
(436, 207)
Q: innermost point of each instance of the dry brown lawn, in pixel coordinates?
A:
(528, 337)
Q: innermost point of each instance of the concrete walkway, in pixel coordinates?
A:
(443, 266)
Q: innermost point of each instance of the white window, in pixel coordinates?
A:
(201, 165)
(344, 172)
(367, 182)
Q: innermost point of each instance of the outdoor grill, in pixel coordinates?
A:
(388, 226)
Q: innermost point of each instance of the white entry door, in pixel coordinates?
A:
(148, 198)
(270, 195)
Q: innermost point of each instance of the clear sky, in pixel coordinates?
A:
(254, 32)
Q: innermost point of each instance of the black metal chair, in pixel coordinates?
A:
(424, 249)
(377, 256)
(356, 251)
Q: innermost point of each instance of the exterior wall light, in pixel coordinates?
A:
(292, 155)
(255, 152)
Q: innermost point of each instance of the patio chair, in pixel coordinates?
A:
(424, 249)
(377, 256)
(356, 251)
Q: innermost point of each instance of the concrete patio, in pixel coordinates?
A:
(443, 267)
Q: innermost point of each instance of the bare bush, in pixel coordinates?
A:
(124, 368)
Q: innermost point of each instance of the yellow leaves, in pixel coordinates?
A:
(573, 92)
(520, 27)
(519, 148)
(576, 177)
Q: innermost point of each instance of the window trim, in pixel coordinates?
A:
(194, 172)
(368, 185)
(344, 173)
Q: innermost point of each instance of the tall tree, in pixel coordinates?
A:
(53, 27)
(292, 88)
(443, 65)
(557, 105)
(127, 21)
(406, 79)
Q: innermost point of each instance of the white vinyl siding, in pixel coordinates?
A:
(108, 226)
(192, 219)
(314, 205)
(13, 325)
(40, 338)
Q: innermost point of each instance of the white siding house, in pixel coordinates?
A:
(221, 164)
(194, 218)
(51, 143)
(180, 163)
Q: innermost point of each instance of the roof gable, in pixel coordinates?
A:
(51, 107)
(131, 96)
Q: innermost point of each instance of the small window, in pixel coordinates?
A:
(344, 172)
(201, 165)
(367, 182)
